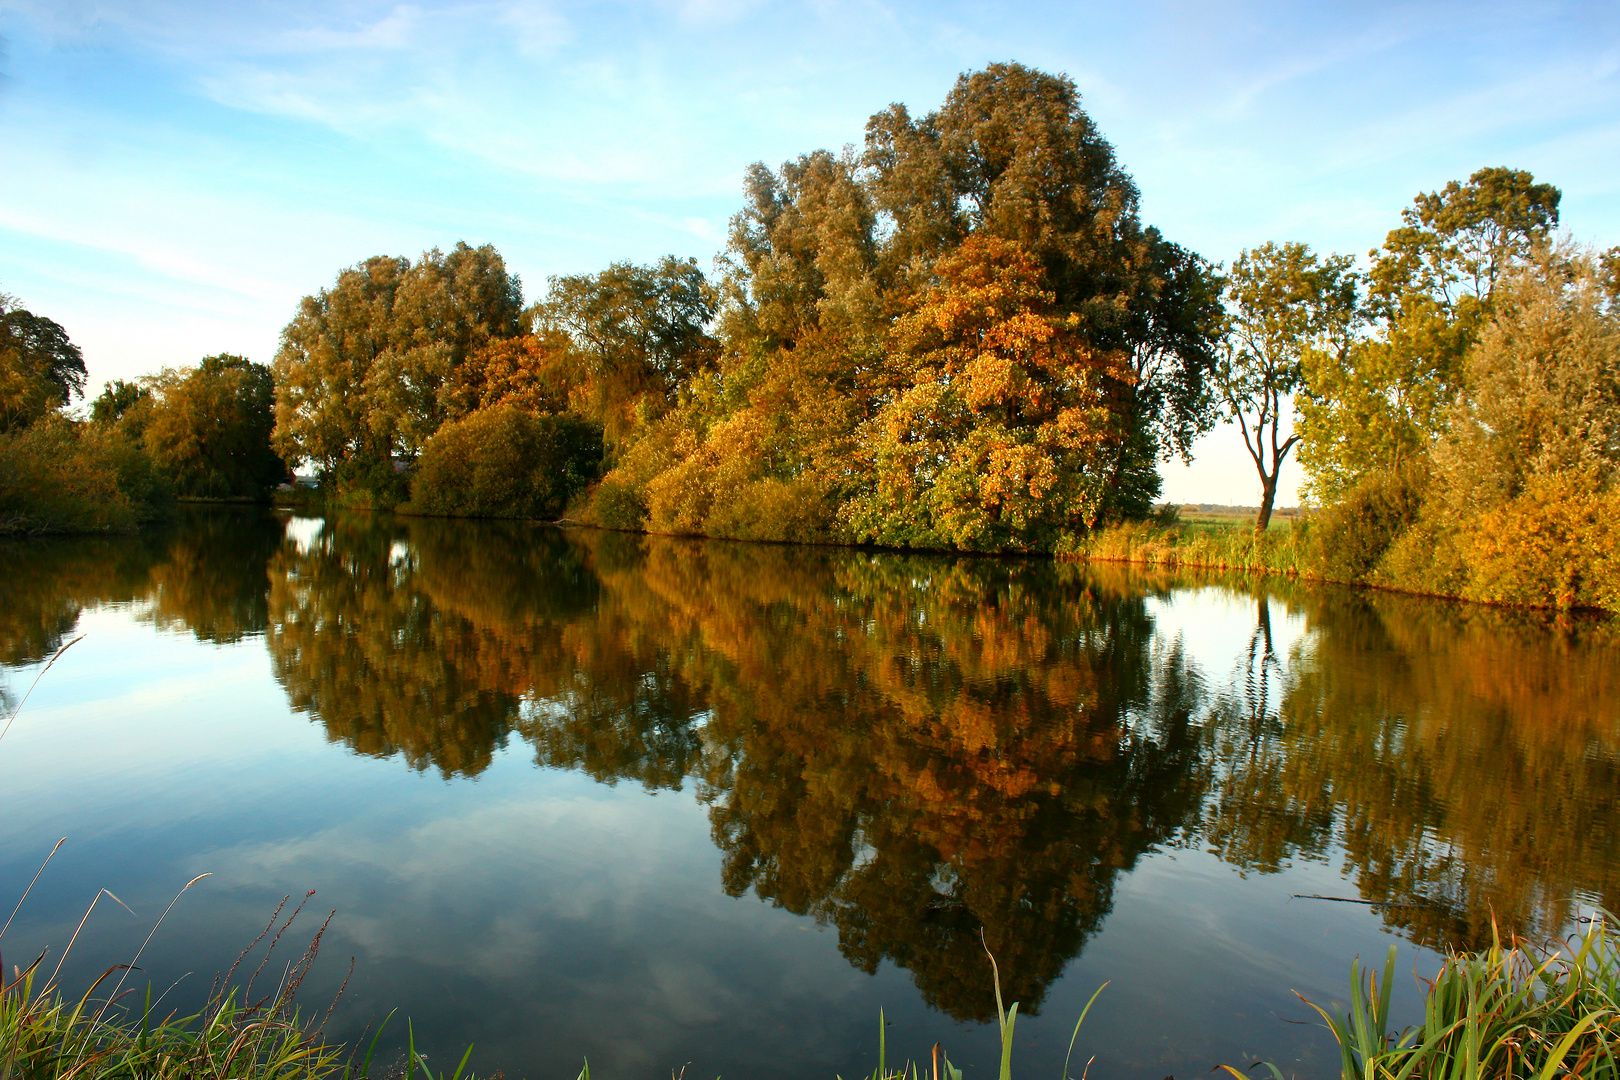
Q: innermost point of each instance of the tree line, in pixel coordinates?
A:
(962, 336)
(201, 432)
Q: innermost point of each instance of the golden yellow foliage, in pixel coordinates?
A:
(1557, 544)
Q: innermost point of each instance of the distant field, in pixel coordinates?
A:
(1217, 514)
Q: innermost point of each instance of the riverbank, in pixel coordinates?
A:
(1543, 562)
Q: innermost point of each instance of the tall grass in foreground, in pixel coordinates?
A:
(940, 1067)
(1514, 1013)
(47, 1035)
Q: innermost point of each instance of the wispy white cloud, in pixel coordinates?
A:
(539, 28)
(398, 29)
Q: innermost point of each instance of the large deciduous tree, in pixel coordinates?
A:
(833, 254)
(209, 428)
(1431, 290)
(637, 333)
(116, 399)
(1283, 305)
(365, 369)
(993, 440)
(40, 368)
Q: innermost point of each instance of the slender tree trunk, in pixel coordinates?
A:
(1267, 498)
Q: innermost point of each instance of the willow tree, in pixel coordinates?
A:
(365, 369)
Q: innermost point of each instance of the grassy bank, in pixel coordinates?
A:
(1538, 556)
(1282, 549)
(1507, 1012)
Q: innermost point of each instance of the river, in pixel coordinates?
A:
(668, 804)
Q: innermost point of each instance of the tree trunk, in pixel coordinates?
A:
(1263, 522)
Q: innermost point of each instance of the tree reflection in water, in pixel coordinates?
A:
(912, 748)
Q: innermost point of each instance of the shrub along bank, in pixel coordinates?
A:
(505, 462)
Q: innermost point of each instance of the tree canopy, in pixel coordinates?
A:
(1430, 291)
(208, 428)
(365, 369)
(1284, 305)
(40, 368)
(968, 308)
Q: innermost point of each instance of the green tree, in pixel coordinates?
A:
(1172, 329)
(1010, 153)
(1431, 288)
(1283, 304)
(505, 462)
(116, 399)
(364, 370)
(638, 333)
(40, 368)
(209, 428)
(45, 348)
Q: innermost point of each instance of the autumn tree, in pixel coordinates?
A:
(993, 437)
(40, 368)
(533, 372)
(1528, 471)
(209, 428)
(1283, 305)
(1430, 292)
(637, 333)
(803, 253)
(831, 253)
(116, 399)
(365, 370)
(1012, 154)
(503, 461)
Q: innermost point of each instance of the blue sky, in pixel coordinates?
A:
(178, 173)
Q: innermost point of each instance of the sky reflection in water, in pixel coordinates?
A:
(547, 778)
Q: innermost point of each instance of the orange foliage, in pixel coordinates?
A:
(992, 439)
(1558, 543)
(530, 371)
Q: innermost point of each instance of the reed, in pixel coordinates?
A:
(1514, 1012)
(939, 1066)
(46, 1034)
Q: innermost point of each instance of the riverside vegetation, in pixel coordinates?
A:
(960, 336)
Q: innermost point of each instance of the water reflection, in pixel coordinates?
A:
(910, 749)
(1464, 759)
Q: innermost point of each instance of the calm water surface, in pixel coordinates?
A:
(661, 803)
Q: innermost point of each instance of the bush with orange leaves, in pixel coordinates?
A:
(1527, 478)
